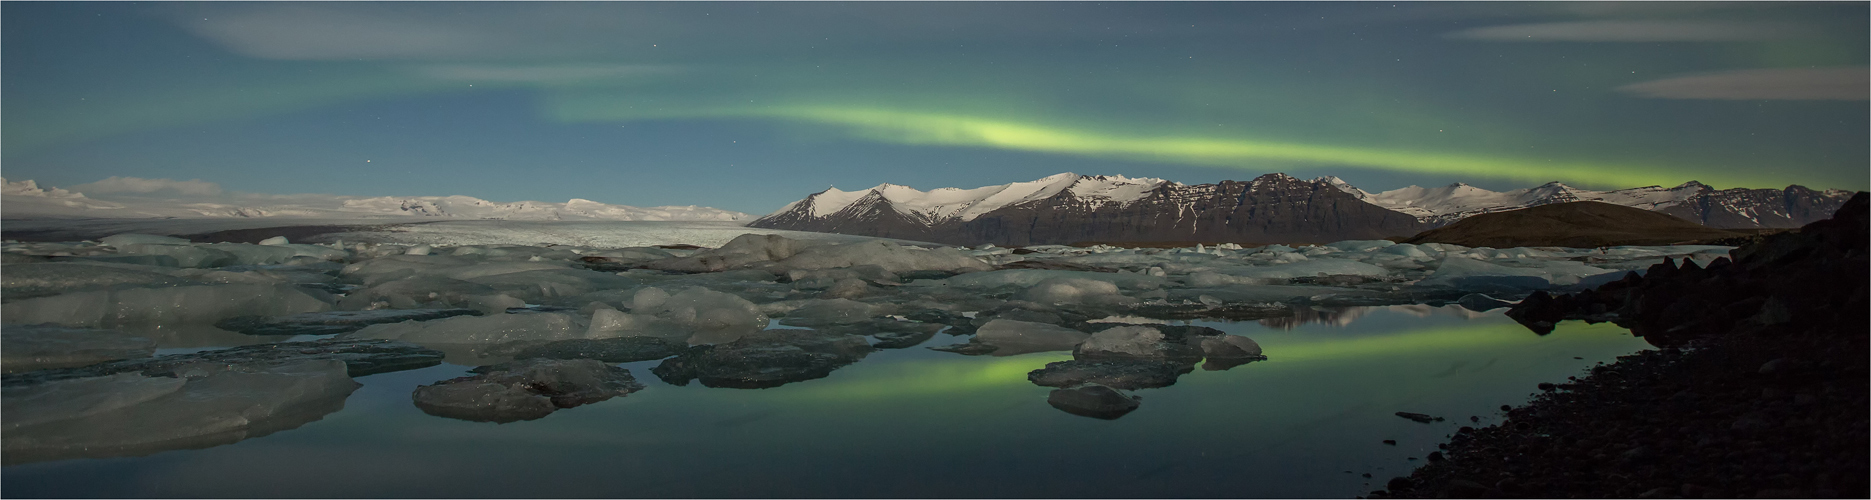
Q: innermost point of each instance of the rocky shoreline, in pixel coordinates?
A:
(1759, 388)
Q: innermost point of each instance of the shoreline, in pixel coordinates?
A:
(1761, 387)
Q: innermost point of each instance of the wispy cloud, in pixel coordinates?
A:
(1632, 31)
(1847, 84)
(192, 187)
(316, 32)
(559, 73)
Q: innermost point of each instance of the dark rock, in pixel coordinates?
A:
(1418, 417)
(1778, 366)
(611, 350)
(1578, 224)
(332, 322)
(1463, 488)
(967, 348)
(1121, 374)
(1793, 206)
(765, 359)
(1391, 442)
(1094, 401)
(524, 390)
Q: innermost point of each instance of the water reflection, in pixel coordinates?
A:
(1345, 316)
(832, 399)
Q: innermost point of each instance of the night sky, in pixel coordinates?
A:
(747, 106)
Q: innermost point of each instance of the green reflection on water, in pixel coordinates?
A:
(915, 422)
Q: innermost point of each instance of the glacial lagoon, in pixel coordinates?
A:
(767, 367)
(914, 422)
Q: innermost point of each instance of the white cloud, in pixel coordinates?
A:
(1848, 84)
(1631, 31)
(192, 187)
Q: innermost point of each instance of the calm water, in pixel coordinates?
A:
(912, 423)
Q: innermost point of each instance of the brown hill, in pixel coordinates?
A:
(1580, 224)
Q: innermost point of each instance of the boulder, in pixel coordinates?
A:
(1095, 401)
(769, 358)
(524, 390)
(1121, 374)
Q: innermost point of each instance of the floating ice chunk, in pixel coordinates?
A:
(196, 304)
(129, 415)
(1406, 250)
(33, 347)
(708, 310)
(332, 322)
(1469, 274)
(539, 286)
(846, 289)
(415, 293)
(1060, 291)
(870, 273)
(276, 254)
(822, 312)
(614, 323)
(118, 240)
(184, 255)
(1011, 337)
(492, 329)
(1314, 267)
(1209, 279)
(1141, 342)
(648, 299)
(1028, 278)
(23, 281)
(418, 250)
(742, 251)
(1361, 245)
(276, 240)
(887, 255)
(83, 397)
(489, 305)
(360, 357)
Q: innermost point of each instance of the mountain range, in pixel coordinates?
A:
(1273, 208)
(25, 199)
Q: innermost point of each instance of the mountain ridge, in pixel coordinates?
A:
(1069, 208)
(26, 199)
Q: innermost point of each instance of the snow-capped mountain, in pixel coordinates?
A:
(944, 205)
(1069, 208)
(1793, 206)
(25, 199)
